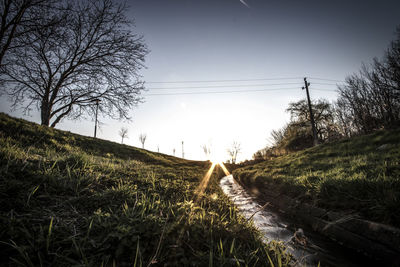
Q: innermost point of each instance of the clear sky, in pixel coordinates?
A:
(207, 40)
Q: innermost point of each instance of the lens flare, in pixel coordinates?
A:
(224, 169)
(203, 184)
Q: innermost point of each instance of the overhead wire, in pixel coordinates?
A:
(217, 86)
(232, 91)
(330, 80)
(235, 80)
(244, 80)
(235, 85)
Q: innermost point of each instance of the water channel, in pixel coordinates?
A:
(307, 248)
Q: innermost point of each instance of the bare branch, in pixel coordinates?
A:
(87, 51)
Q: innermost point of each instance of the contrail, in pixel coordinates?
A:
(244, 3)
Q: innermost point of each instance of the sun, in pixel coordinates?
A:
(216, 161)
(216, 158)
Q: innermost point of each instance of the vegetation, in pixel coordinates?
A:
(368, 101)
(69, 200)
(360, 175)
(297, 134)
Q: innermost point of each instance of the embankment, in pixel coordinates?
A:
(348, 191)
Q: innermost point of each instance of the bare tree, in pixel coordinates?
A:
(370, 99)
(123, 133)
(142, 138)
(18, 18)
(206, 150)
(233, 151)
(278, 135)
(91, 54)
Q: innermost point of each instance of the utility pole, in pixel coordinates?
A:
(97, 111)
(183, 153)
(314, 130)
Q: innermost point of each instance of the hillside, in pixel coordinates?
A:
(69, 200)
(358, 176)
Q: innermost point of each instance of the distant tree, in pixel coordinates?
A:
(207, 150)
(233, 151)
(344, 118)
(259, 155)
(90, 53)
(297, 134)
(323, 116)
(142, 138)
(278, 135)
(123, 133)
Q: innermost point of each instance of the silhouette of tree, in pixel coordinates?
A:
(18, 19)
(123, 133)
(142, 138)
(233, 151)
(207, 150)
(89, 54)
(370, 99)
(323, 116)
(278, 135)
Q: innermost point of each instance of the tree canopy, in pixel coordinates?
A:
(87, 52)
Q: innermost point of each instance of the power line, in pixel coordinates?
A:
(218, 86)
(223, 92)
(220, 81)
(334, 84)
(229, 92)
(243, 80)
(326, 90)
(330, 80)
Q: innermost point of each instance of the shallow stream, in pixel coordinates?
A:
(308, 248)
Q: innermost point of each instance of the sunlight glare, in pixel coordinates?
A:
(216, 158)
(222, 165)
(203, 184)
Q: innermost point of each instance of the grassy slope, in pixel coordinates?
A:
(68, 200)
(352, 175)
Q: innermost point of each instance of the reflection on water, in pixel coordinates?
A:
(307, 249)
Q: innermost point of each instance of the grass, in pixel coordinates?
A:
(70, 200)
(359, 175)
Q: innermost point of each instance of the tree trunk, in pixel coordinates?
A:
(45, 113)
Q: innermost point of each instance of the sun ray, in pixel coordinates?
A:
(203, 184)
(225, 170)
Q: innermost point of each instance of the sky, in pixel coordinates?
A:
(244, 46)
